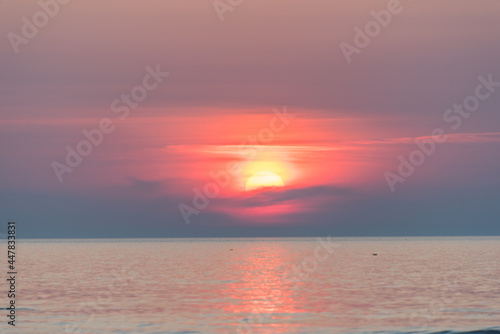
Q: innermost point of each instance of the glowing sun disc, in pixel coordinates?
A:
(263, 179)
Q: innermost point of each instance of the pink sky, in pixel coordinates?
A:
(352, 121)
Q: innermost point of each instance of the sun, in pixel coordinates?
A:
(263, 179)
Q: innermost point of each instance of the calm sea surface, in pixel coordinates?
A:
(274, 285)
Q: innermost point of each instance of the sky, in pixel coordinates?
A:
(148, 119)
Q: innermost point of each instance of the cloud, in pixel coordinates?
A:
(303, 197)
(458, 138)
(269, 197)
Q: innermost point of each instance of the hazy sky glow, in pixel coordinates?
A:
(229, 80)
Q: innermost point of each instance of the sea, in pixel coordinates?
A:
(318, 285)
